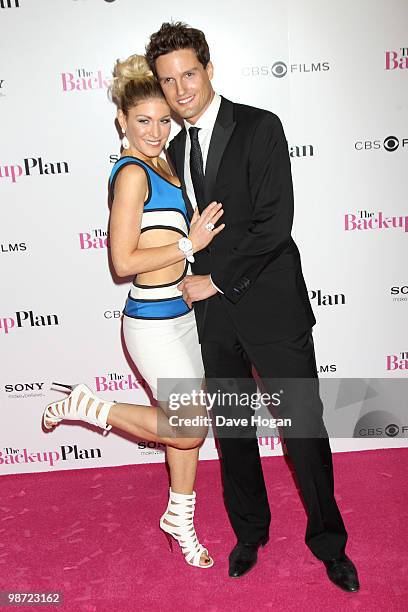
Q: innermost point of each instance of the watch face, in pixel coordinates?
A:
(185, 244)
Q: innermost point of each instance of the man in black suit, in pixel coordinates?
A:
(250, 299)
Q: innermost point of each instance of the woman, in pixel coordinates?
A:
(151, 238)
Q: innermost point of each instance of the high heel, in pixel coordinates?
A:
(81, 404)
(169, 539)
(180, 513)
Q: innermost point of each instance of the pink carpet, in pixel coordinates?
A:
(93, 535)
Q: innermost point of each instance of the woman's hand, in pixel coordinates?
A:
(199, 235)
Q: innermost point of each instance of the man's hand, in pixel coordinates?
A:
(196, 287)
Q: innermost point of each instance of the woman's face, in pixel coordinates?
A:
(147, 126)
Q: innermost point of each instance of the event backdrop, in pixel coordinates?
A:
(337, 75)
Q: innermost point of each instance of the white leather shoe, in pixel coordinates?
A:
(182, 528)
(80, 405)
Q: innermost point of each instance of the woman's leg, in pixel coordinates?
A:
(143, 422)
(183, 468)
(147, 422)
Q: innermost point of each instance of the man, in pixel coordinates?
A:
(250, 299)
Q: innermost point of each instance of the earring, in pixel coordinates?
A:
(125, 141)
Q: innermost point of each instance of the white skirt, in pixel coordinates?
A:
(165, 349)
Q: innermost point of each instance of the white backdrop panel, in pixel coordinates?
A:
(319, 66)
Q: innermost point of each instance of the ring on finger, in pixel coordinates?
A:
(209, 226)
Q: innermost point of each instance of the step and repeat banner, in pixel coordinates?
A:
(336, 74)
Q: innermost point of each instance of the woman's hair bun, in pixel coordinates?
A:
(134, 69)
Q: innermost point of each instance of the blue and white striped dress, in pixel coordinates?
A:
(159, 328)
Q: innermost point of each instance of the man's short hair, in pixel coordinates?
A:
(175, 36)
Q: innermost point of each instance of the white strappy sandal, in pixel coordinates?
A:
(80, 405)
(182, 528)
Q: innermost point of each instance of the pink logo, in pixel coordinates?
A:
(30, 166)
(24, 318)
(83, 80)
(397, 362)
(365, 220)
(117, 382)
(397, 60)
(12, 456)
(96, 239)
(269, 441)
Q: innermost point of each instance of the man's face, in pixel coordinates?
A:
(185, 83)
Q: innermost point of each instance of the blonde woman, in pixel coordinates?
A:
(152, 238)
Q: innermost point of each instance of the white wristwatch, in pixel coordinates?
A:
(186, 246)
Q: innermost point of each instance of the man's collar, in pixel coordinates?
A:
(207, 120)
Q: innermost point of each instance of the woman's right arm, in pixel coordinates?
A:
(125, 223)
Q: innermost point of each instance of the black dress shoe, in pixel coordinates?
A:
(243, 557)
(342, 573)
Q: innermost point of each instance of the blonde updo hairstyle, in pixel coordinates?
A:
(133, 81)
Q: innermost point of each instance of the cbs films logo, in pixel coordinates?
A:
(280, 69)
(390, 430)
(328, 368)
(389, 144)
(112, 315)
(13, 247)
(397, 60)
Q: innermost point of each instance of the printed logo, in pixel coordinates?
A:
(279, 69)
(367, 220)
(95, 239)
(397, 362)
(27, 318)
(389, 144)
(31, 166)
(400, 293)
(328, 368)
(301, 151)
(397, 60)
(13, 456)
(13, 247)
(84, 80)
(147, 447)
(320, 299)
(112, 314)
(391, 431)
(24, 390)
(269, 441)
(118, 382)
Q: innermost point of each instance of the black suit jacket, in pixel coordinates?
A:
(254, 260)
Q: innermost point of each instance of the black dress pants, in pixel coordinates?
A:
(228, 365)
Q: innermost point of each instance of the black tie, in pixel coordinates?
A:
(196, 167)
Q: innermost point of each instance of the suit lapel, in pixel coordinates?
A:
(179, 154)
(222, 132)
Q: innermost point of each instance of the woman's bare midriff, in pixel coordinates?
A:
(158, 238)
